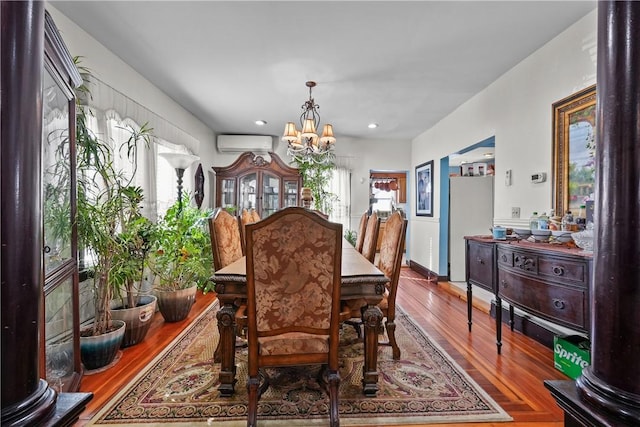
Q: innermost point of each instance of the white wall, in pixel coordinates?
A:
(366, 155)
(516, 109)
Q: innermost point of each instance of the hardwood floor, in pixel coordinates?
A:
(513, 379)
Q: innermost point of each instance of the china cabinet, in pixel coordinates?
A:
(60, 349)
(253, 182)
(41, 367)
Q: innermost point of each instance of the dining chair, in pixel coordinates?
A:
(247, 216)
(226, 248)
(390, 263)
(362, 227)
(226, 242)
(371, 237)
(293, 299)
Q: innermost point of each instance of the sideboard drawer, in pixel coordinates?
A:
(565, 305)
(563, 270)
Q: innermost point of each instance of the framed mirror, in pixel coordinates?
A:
(574, 127)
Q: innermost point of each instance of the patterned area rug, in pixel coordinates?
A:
(180, 387)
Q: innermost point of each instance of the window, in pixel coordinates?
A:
(340, 185)
(166, 178)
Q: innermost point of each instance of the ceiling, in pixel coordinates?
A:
(403, 65)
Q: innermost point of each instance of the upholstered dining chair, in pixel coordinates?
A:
(247, 216)
(226, 242)
(362, 227)
(226, 247)
(390, 263)
(293, 299)
(371, 237)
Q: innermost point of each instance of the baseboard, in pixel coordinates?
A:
(430, 275)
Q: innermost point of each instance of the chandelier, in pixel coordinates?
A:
(305, 146)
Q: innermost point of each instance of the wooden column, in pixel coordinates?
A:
(613, 379)
(608, 392)
(26, 399)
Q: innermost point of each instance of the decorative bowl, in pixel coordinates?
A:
(541, 235)
(584, 239)
(561, 236)
(523, 233)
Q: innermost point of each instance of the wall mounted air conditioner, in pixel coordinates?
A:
(242, 143)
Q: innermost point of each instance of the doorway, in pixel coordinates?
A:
(475, 161)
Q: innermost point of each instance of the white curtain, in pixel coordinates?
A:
(340, 185)
(112, 117)
(105, 98)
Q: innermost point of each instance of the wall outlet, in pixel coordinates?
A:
(515, 212)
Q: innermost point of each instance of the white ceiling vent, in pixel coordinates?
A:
(242, 143)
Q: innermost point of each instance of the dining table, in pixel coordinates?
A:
(363, 285)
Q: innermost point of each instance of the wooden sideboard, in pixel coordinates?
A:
(549, 281)
(480, 270)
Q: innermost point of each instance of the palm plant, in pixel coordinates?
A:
(111, 228)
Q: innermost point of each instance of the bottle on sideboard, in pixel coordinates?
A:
(567, 221)
(533, 221)
(543, 221)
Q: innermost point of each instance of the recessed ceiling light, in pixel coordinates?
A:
(488, 155)
(372, 125)
(261, 122)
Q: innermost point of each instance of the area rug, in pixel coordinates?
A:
(179, 387)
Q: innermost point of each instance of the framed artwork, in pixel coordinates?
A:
(424, 189)
(574, 144)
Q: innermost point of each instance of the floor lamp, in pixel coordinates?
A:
(180, 162)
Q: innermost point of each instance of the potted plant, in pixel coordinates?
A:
(107, 206)
(131, 303)
(181, 259)
(315, 177)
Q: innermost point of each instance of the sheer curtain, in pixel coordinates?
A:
(340, 185)
(113, 116)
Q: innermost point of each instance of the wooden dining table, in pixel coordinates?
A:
(362, 284)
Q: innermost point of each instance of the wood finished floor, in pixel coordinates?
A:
(513, 379)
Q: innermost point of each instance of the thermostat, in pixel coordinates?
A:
(538, 177)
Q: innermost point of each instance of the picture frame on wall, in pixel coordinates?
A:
(424, 189)
(574, 124)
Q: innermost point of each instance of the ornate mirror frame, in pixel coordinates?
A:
(574, 149)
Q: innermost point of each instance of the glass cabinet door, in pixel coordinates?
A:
(59, 337)
(56, 176)
(290, 193)
(270, 194)
(228, 193)
(248, 186)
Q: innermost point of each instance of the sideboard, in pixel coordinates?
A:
(546, 280)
